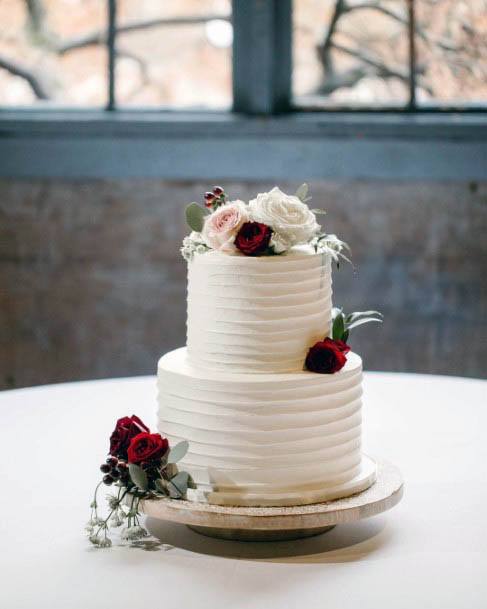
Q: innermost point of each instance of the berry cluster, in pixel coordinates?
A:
(114, 470)
(215, 198)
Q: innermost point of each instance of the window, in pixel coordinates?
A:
(390, 53)
(318, 88)
(155, 54)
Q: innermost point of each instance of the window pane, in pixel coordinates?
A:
(451, 41)
(352, 53)
(175, 54)
(40, 62)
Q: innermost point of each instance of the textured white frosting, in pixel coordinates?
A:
(265, 439)
(259, 314)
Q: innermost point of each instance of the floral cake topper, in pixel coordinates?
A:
(269, 225)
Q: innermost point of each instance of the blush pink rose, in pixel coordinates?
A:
(222, 226)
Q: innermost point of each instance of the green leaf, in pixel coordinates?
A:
(161, 486)
(138, 476)
(361, 314)
(177, 452)
(359, 322)
(338, 327)
(302, 192)
(319, 212)
(195, 217)
(178, 485)
(345, 336)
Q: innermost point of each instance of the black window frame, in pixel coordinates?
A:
(265, 136)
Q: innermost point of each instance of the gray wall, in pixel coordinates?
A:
(92, 284)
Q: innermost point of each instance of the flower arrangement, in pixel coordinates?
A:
(330, 354)
(268, 225)
(140, 465)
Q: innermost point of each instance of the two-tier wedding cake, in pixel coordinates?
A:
(267, 391)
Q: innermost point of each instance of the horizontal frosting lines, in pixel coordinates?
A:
(248, 388)
(255, 408)
(263, 451)
(272, 476)
(250, 300)
(263, 265)
(253, 422)
(204, 434)
(291, 460)
(232, 313)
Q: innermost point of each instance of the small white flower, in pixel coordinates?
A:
(94, 539)
(113, 501)
(105, 542)
(116, 521)
(134, 533)
(193, 244)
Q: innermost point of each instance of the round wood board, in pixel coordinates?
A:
(280, 523)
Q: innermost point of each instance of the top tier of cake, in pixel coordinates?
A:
(259, 314)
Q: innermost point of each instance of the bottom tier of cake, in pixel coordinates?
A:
(266, 439)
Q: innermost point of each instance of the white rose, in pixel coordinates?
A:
(222, 226)
(290, 218)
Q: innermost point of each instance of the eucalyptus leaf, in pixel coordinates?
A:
(138, 476)
(319, 212)
(360, 315)
(161, 486)
(195, 216)
(360, 322)
(178, 485)
(178, 452)
(302, 192)
(338, 327)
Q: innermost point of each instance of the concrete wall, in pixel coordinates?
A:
(92, 284)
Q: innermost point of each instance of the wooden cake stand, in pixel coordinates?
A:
(281, 523)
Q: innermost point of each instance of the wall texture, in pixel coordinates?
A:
(92, 284)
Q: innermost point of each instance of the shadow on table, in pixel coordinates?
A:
(345, 543)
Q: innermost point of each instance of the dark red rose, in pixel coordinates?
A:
(125, 429)
(147, 447)
(340, 344)
(326, 357)
(253, 238)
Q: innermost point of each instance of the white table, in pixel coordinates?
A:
(430, 551)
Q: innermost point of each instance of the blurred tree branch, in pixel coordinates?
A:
(33, 80)
(100, 36)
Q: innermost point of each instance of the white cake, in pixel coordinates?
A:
(262, 430)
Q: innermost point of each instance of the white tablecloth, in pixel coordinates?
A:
(430, 551)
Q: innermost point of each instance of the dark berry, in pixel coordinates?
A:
(115, 474)
(122, 466)
(112, 461)
(107, 479)
(209, 196)
(105, 468)
(218, 191)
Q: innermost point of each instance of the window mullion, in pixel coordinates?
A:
(262, 56)
(412, 54)
(111, 39)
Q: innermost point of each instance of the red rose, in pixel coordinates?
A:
(147, 447)
(340, 344)
(326, 356)
(125, 429)
(253, 238)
